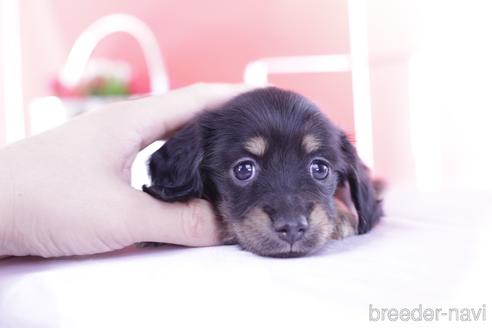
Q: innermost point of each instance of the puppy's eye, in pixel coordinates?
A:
(319, 169)
(244, 170)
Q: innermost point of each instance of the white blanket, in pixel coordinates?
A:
(431, 250)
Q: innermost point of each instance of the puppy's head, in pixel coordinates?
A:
(271, 163)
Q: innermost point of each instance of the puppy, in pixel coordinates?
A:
(282, 178)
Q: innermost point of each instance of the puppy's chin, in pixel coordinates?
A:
(291, 254)
(271, 246)
(288, 251)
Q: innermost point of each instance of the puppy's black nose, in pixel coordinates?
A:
(290, 229)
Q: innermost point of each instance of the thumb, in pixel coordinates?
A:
(190, 224)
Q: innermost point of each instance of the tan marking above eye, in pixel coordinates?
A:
(256, 145)
(310, 143)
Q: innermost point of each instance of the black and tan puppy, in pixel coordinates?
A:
(271, 164)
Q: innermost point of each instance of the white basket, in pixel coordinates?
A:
(49, 112)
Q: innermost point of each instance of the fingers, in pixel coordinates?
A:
(158, 116)
(190, 224)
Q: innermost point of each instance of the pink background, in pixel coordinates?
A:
(205, 41)
(214, 40)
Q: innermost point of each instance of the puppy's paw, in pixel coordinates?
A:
(380, 185)
(346, 221)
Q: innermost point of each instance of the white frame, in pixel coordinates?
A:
(357, 62)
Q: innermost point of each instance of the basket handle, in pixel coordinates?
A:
(87, 41)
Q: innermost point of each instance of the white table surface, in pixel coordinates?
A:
(430, 249)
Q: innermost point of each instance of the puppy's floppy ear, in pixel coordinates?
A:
(369, 208)
(175, 168)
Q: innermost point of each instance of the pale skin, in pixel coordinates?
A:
(67, 191)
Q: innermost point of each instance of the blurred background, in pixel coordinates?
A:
(410, 80)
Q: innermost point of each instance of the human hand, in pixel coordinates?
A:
(67, 191)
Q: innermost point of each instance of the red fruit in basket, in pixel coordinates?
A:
(62, 91)
(139, 83)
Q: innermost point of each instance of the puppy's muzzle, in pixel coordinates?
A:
(289, 217)
(290, 228)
